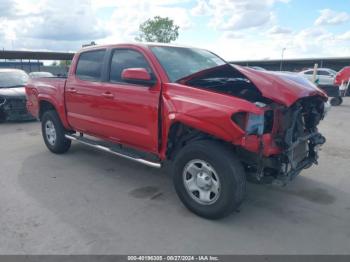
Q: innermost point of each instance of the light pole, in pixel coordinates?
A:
(281, 65)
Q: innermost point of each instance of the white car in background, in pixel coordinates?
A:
(40, 74)
(324, 76)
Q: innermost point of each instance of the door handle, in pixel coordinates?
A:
(72, 90)
(108, 95)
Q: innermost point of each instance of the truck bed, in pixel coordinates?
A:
(50, 89)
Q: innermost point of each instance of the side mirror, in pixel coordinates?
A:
(138, 76)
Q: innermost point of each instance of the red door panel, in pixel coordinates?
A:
(83, 102)
(130, 115)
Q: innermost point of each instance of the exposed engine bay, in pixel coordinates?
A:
(298, 136)
(225, 79)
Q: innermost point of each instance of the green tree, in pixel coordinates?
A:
(158, 29)
(65, 63)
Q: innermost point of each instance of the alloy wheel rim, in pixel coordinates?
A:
(201, 182)
(50, 132)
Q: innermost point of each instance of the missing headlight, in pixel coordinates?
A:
(251, 123)
(255, 124)
(268, 123)
(240, 119)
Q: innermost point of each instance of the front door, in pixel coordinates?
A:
(130, 110)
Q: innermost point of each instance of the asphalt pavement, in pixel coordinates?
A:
(90, 202)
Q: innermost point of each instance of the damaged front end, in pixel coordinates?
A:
(279, 138)
(290, 145)
(300, 138)
(13, 108)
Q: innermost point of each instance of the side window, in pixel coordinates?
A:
(322, 73)
(126, 58)
(90, 65)
(309, 72)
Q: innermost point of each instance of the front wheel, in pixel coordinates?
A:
(209, 179)
(54, 133)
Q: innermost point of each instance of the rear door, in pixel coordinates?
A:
(83, 92)
(131, 110)
(325, 77)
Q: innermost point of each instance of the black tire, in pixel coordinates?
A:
(60, 144)
(3, 116)
(226, 166)
(336, 101)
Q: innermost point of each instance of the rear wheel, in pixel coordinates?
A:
(336, 101)
(54, 133)
(209, 179)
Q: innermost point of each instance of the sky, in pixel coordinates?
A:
(234, 29)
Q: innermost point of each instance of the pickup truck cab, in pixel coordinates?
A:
(218, 124)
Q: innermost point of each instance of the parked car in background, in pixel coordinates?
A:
(324, 76)
(216, 123)
(325, 79)
(12, 95)
(40, 74)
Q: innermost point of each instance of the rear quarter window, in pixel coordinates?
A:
(322, 73)
(90, 65)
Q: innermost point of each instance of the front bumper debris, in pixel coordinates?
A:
(14, 109)
(301, 154)
(297, 139)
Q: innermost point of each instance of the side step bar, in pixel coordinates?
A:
(95, 144)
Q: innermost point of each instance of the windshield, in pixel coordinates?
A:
(179, 62)
(12, 79)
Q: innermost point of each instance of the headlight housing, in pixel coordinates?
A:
(251, 123)
(254, 124)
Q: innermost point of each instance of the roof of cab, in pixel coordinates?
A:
(135, 44)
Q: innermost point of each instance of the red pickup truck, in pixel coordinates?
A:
(216, 123)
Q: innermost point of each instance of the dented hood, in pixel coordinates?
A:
(284, 88)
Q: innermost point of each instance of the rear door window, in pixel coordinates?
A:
(90, 65)
(323, 73)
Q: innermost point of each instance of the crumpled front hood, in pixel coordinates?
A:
(284, 88)
(13, 92)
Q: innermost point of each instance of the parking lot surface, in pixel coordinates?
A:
(89, 202)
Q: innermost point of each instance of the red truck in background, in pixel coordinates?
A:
(218, 124)
(343, 76)
(342, 79)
